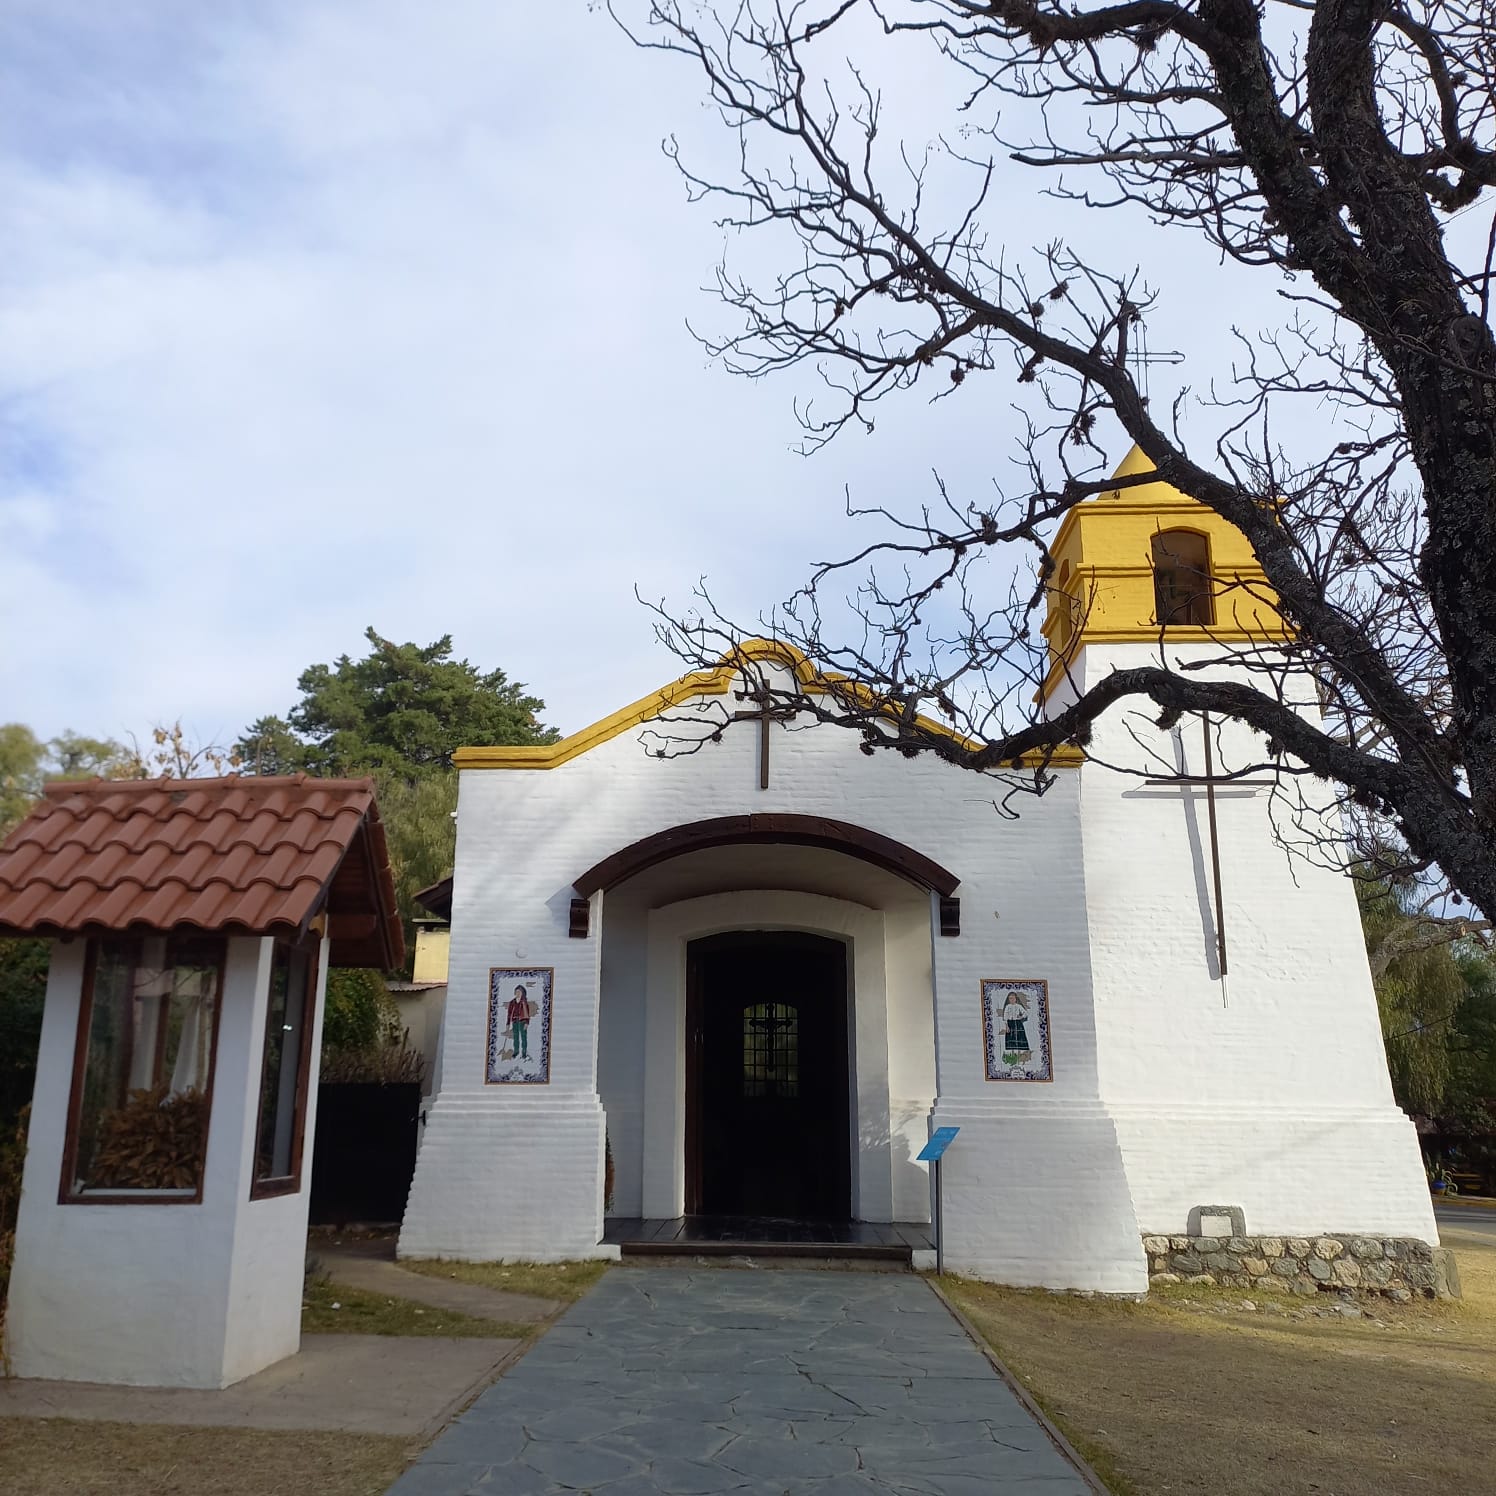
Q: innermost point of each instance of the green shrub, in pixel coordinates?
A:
(23, 990)
(12, 1157)
(361, 1014)
(363, 1039)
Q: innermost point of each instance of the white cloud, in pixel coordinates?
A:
(316, 316)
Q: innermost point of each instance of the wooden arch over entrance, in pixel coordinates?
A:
(778, 829)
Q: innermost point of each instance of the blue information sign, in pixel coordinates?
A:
(940, 1140)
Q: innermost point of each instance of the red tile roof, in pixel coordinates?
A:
(241, 856)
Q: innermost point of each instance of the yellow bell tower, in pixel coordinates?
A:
(1145, 564)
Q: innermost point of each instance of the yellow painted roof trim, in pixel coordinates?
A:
(1163, 498)
(714, 682)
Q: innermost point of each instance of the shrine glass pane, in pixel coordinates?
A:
(282, 1094)
(139, 1119)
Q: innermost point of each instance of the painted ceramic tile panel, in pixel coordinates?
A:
(519, 1025)
(1015, 1028)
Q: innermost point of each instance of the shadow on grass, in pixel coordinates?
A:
(565, 1282)
(332, 1308)
(84, 1458)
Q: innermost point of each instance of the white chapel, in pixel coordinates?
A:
(723, 1000)
(746, 983)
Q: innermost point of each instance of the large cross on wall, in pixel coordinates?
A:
(764, 712)
(1209, 780)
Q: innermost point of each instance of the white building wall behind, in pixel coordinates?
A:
(1267, 1090)
(1034, 1187)
(512, 1172)
(910, 973)
(1036, 1190)
(621, 1045)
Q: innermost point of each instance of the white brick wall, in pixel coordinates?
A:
(1268, 1090)
(1162, 1097)
(516, 1171)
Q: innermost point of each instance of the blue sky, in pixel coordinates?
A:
(320, 315)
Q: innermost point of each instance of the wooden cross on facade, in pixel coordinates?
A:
(764, 712)
(1209, 779)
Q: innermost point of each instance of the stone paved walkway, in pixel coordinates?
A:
(695, 1381)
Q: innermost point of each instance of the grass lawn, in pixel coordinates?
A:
(72, 1457)
(1189, 1393)
(566, 1281)
(331, 1308)
(66, 1457)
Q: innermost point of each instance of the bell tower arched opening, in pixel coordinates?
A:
(1182, 591)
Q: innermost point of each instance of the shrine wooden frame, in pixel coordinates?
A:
(310, 946)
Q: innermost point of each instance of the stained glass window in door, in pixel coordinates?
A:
(771, 1050)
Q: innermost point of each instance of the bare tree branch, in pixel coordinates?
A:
(1323, 142)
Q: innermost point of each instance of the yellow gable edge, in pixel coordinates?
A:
(550, 755)
(714, 682)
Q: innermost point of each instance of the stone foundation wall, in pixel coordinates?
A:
(1401, 1268)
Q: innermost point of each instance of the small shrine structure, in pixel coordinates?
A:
(161, 1238)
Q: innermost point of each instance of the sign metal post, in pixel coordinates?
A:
(932, 1153)
(939, 1227)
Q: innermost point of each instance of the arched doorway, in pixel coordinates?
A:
(884, 926)
(768, 1076)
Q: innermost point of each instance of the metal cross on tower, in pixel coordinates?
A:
(1210, 779)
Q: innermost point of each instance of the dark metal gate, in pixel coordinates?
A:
(365, 1152)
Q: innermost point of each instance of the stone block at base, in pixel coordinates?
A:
(538, 1196)
(1446, 1275)
(1398, 1267)
(1066, 1219)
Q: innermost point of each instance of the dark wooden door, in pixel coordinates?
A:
(768, 1130)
